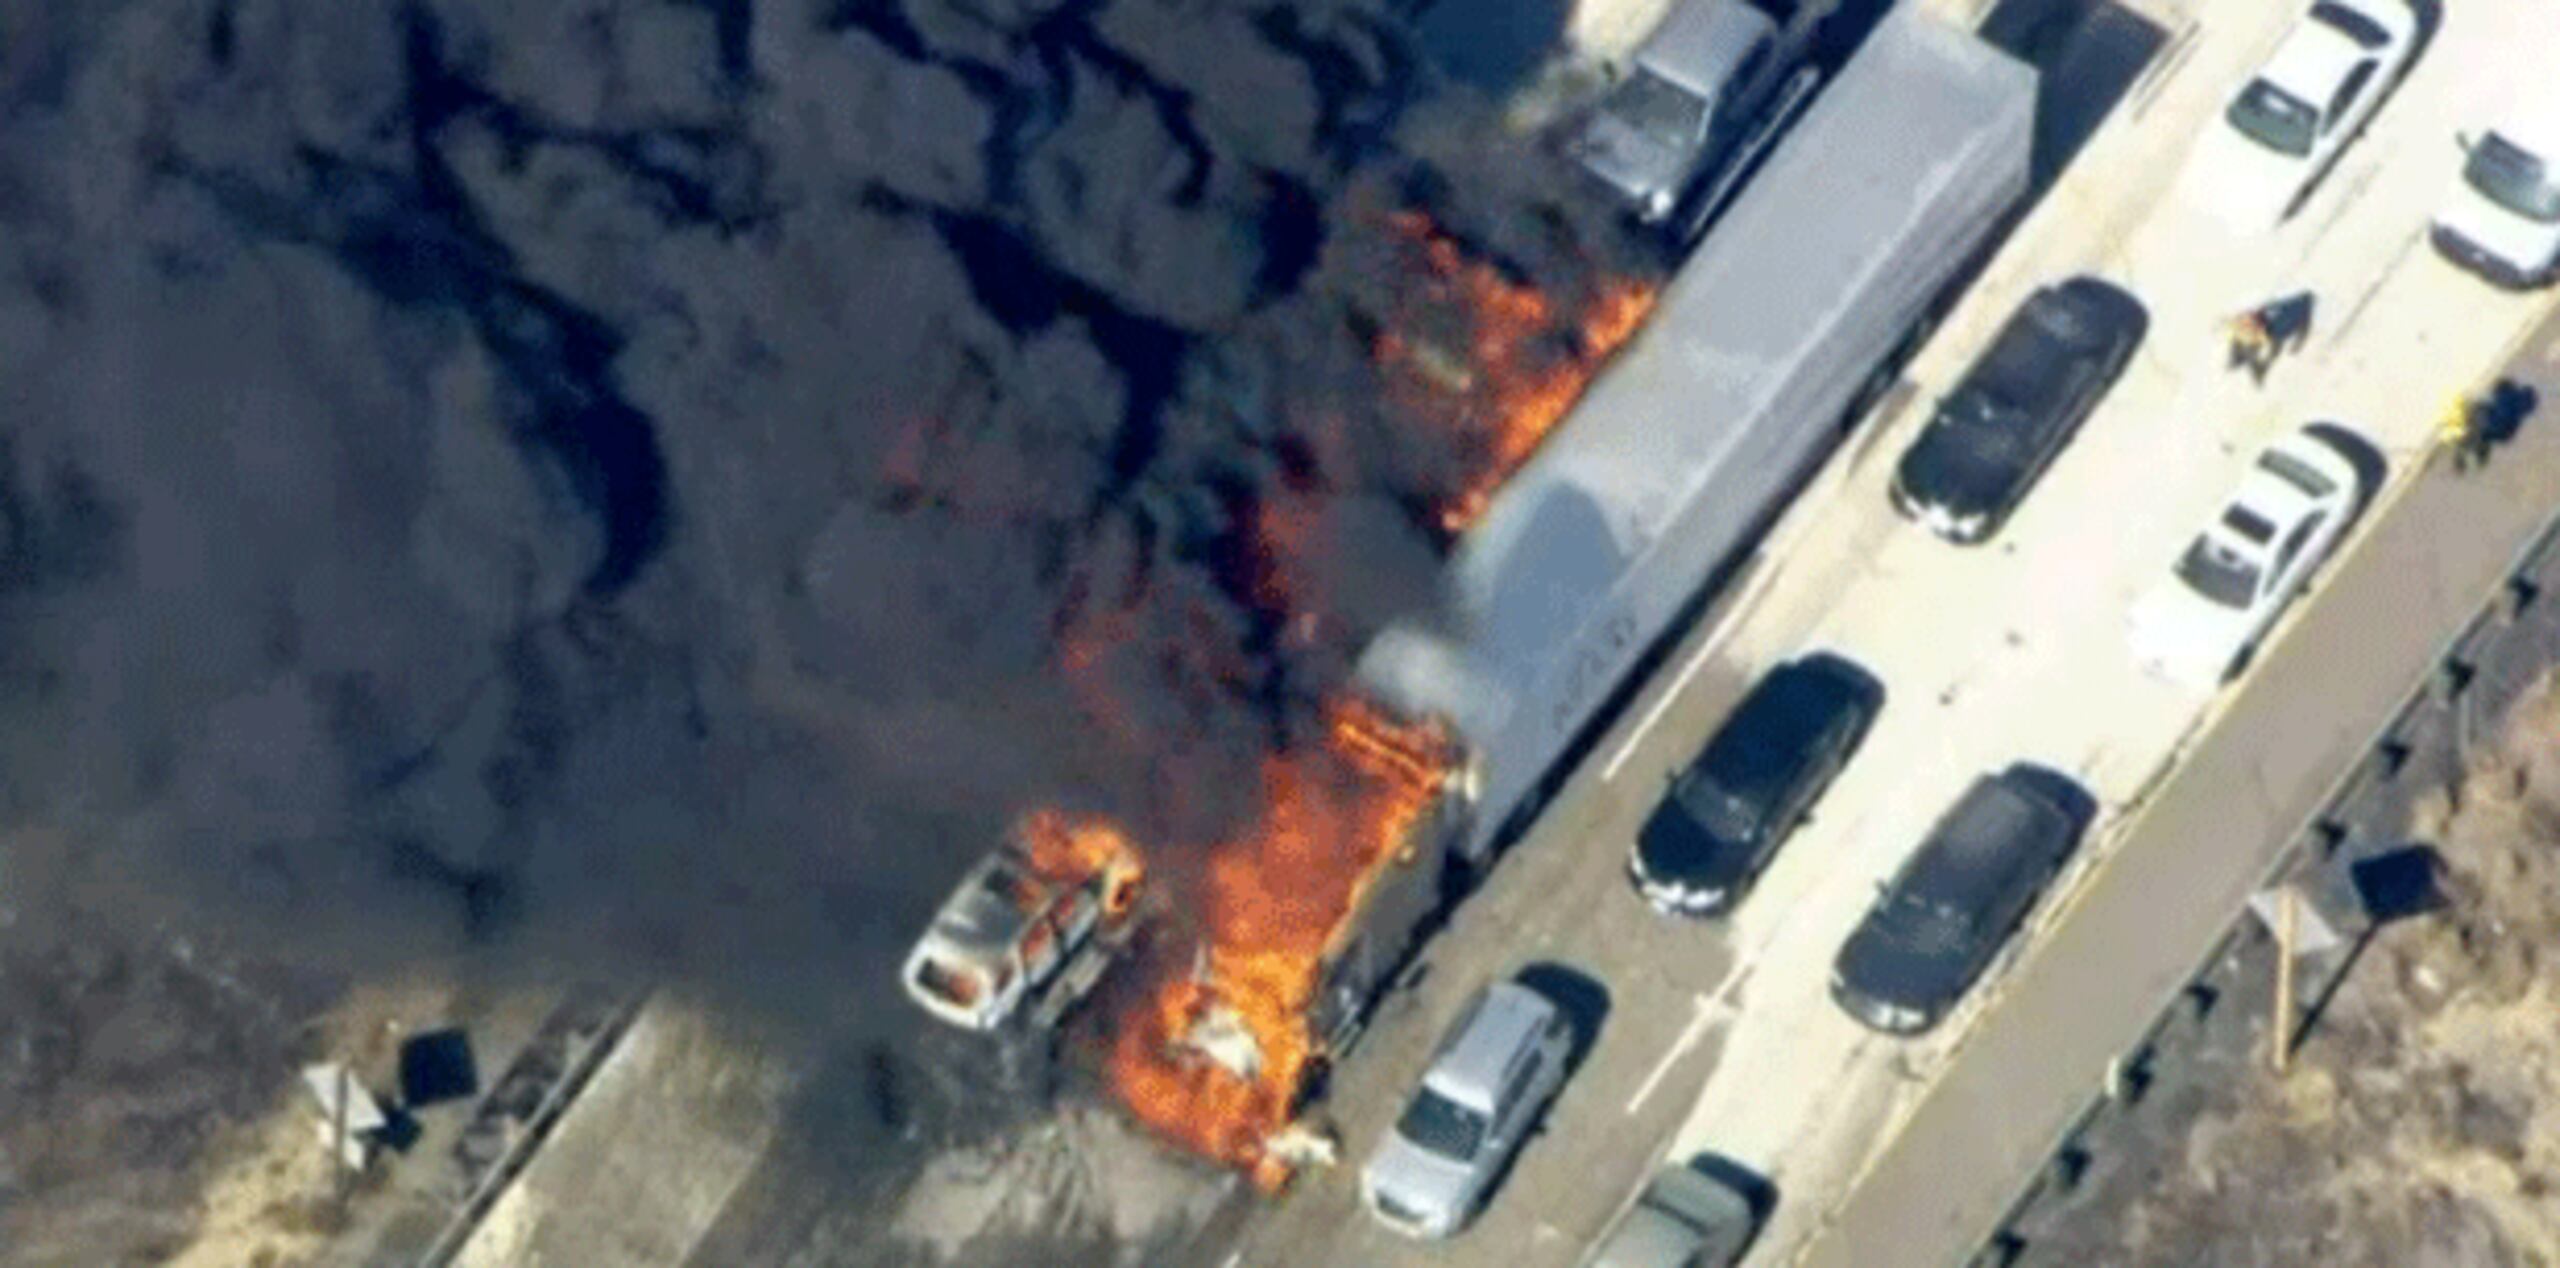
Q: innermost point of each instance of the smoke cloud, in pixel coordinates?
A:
(657, 486)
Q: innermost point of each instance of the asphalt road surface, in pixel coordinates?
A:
(2201, 845)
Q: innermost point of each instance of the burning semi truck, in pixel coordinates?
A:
(1665, 475)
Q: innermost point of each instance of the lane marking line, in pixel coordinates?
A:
(1742, 604)
(1700, 1009)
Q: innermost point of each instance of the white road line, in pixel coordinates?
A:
(1705, 1008)
(1699, 1010)
(1697, 661)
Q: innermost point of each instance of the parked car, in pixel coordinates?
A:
(2200, 625)
(2290, 120)
(1700, 1215)
(2017, 406)
(2504, 220)
(1493, 1075)
(1756, 779)
(1704, 96)
(1937, 924)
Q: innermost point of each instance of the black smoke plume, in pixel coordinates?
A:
(653, 487)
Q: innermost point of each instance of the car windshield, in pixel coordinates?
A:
(2296, 472)
(1661, 110)
(2274, 118)
(1438, 1125)
(2367, 33)
(2219, 573)
(2509, 175)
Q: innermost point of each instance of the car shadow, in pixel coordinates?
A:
(2090, 52)
(1582, 999)
(2064, 792)
(2361, 454)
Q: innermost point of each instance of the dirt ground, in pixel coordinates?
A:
(2420, 1124)
(133, 1066)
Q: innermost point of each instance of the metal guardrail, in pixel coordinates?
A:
(587, 1055)
(2443, 684)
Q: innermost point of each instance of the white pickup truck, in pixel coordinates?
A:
(1029, 930)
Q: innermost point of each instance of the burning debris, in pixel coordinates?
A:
(1221, 1053)
(1510, 370)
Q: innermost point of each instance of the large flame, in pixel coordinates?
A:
(1517, 365)
(1501, 362)
(1272, 903)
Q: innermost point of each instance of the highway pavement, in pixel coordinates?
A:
(2198, 847)
(1719, 1036)
(2006, 652)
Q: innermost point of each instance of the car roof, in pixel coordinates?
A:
(1495, 1027)
(1699, 42)
(1980, 839)
(991, 905)
(2273, 498)
(1783, 711)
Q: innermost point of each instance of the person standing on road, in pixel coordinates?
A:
(2461, 430)
(2251, 344)
(2277, 326)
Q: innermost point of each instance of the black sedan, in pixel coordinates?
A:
(2016, 407)
(1937, 925)
(1729, 811)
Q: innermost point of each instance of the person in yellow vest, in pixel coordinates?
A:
(2459, 431)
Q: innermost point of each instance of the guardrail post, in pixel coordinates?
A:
(2450, 678)
(2388, 757)
(2518, 594)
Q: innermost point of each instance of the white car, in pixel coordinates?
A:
(2503, 221)
(2236, 577)
(2290, 121)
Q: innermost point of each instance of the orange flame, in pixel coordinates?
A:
(1334, 815)
(1273, 901)
(1069, 849)
(1524, 365)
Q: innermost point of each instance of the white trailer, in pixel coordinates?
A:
(1698, 433)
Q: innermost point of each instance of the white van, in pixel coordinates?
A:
(2504, 221)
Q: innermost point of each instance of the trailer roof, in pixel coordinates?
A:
(1809, 242)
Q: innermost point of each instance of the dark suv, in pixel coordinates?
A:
(1729, 811)
(1936, 926)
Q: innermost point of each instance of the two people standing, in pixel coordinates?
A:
(2470, 424)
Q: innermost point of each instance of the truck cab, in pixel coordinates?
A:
(1007, 937)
